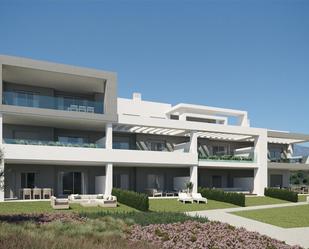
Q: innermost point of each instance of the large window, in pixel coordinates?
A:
(28, 180)
(275, 153)
(122, 143)
(216, 181)
(25, 98)
(157, 145)
(71, 140)
(218, 150)
(71, 183)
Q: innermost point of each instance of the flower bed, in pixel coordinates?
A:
(192, 234)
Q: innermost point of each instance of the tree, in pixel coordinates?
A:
(189, 186)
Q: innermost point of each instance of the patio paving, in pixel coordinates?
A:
(292, 236)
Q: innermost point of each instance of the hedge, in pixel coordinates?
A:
(282, 194)
(133, 199)
(220, 195)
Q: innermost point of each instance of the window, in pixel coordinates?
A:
(28, 180)
(275, 153)
(216, 181)
(71, 140)
(71, 183)
(24, 98)
(157, 145)
(122, 143)
(218, 150)
(155, 181)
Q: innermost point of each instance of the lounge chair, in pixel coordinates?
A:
(184, 197)
(198, 198)
(57, 203)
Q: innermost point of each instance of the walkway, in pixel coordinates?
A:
(292, 236)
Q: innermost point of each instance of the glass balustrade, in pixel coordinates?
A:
(51, 143)
(50, 102)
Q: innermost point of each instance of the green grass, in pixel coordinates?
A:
(302, 197)
(44, 206)
(265, 200)
(287, 217)
(172, 205)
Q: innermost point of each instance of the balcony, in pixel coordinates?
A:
(51, 143)
(226, 158)
(50, 102)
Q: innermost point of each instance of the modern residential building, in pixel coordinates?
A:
(63, 127)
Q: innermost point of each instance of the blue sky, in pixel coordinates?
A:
(250, 55)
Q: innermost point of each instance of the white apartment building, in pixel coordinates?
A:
(63, 127)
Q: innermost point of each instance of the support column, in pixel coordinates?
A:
(194, 178)
(193, 142)
(109, 136)
(108, 179)
(260, 173)
(1, 161)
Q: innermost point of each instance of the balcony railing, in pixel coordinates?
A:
(298, 159)
(50, 102)
(51, 143)
(226, 158)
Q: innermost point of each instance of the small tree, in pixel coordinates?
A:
(189, 186)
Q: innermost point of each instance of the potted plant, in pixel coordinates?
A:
(189, 186)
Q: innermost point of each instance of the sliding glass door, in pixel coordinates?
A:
(71, 183)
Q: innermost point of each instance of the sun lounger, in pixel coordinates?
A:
(184, 197)
(198, 198)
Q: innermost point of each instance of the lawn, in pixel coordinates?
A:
(287, 217)
(44, 206)
(302, 197)
(262, 200)
(172, 205)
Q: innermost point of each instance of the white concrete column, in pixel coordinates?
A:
(108, 178)
(183, 117)
(109, 136)
(1, 161)
(260, 173)
(194, 177)
(193, 142)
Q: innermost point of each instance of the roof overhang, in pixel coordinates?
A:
(286, 137)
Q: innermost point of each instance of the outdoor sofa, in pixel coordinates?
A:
(94, 200)
(59, 203)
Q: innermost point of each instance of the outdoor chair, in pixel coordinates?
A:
(47, 193)
(198, 198)
(90, 109)
(156, 192)
(37, 193)
(82, 108)
(26, 193)
(73, 108)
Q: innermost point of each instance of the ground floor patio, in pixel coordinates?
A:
(64, 180)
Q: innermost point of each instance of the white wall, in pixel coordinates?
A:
(142, 108)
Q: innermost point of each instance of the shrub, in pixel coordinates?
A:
(282, 194)
(146, 218)
(133, 199)
(219, 195)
